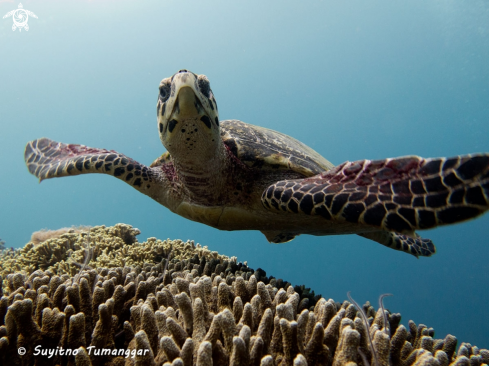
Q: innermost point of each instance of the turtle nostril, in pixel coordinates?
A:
(183, 70)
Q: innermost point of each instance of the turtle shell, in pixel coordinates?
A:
(266, 149)
(164, 158)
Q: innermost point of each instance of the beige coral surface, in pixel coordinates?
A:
(115, 301)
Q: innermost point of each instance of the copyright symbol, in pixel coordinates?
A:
(21, 351)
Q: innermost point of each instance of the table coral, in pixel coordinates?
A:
(124, 308)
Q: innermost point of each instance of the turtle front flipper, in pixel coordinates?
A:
(50, 159)
(416, 246)
(401, 194)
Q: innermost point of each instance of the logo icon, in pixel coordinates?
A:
(20, 17)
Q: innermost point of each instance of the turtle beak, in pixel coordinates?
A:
(188, 100)
(187, 104)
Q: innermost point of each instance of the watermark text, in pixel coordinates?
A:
(91, 350)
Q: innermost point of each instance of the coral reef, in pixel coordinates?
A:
(174, 303)
(108, 247)
(40, 236)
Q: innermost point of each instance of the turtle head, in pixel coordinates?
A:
(188, 120)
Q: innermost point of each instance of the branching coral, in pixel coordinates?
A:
(205, 309)
(41, 236)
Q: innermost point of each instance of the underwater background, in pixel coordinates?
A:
(353, 80)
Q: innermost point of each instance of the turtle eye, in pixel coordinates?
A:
(204, 86)
(164, 92)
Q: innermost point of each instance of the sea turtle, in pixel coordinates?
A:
(236, 176)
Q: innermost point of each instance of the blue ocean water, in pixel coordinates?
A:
(353, 80)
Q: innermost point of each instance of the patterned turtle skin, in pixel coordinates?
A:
(236, 176)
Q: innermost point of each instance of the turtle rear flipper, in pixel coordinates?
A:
(400, 194)
(416, 246)
(278, 237)
(50, 159)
